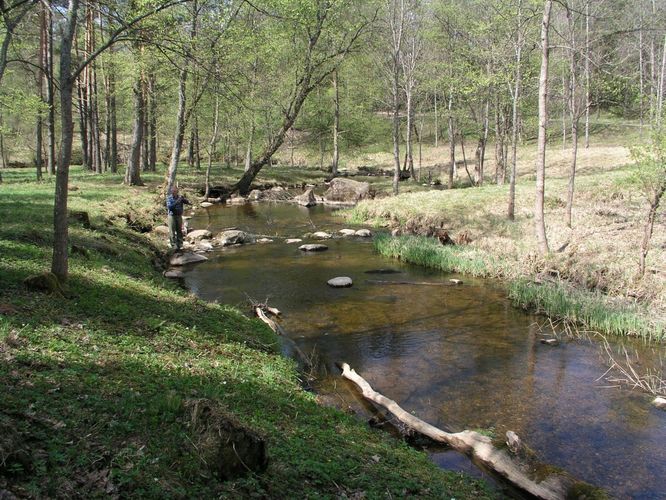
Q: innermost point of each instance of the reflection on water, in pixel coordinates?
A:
(459, 357)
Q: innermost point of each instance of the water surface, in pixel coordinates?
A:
(458, 357)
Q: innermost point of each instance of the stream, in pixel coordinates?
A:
(459, 357)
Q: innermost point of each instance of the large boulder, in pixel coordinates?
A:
(234, 237)
(199, 234)
(183, 259)
(347, 191)
(307, 199)
(322, 235)
(347, 232)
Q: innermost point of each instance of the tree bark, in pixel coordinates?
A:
(574, 113)
(587, 74)
(539, 222)
(59, 263)
(152, 124)
(213, 143)
(179, 132)
(133, 172)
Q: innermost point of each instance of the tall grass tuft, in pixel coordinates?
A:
(428, 252)
(588, 309)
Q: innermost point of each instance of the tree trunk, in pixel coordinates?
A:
(587, 74)
(152, 124)
(500, 160)
(248, 150)
(649, 226)
(59, 262)
(539, 222)
(39, 142)
(213, 143)
(410, 125)
(179, 133)
(132, 174)
(336, 125)
(574, 113)
(452, 142)
(396, 124)
(514, 117)
(50, 96)
(436, 122)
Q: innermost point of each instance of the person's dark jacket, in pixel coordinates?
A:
(175, 204)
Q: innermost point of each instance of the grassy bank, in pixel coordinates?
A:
(591, 275)
(99, 387)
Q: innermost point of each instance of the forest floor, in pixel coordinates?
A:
(100, 383)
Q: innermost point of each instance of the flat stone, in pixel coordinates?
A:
(205, 204)
(164, 230)
(347, 232)
(293, 240)
(264, 240)
(199, 234)
(340, 282)
(321, 235)
(186, 258)
(173, 273)
(364, 233)
(552, 342)
(660, 403)
(455, 281)
(313, 247)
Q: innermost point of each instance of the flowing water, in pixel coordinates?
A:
(459, 357)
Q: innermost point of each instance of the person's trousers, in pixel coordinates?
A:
(176, 231)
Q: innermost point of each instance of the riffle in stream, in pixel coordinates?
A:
(458, 357)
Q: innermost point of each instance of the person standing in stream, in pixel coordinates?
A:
(174, 204)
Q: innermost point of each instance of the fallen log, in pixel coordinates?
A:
(553, 485)
(271, 324)
(391, 282)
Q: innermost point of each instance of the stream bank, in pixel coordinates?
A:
(458, 356)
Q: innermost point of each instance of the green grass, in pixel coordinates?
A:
(590, 310)
(97, 386)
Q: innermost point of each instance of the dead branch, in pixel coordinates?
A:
(553, 486)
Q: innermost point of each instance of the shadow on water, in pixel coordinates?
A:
(459, 357)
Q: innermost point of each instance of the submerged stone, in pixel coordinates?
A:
(293, 240)
(455, 281)
(313, 247)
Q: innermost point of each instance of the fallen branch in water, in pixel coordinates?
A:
(555, 485)
(427, 283)
(271, 324)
